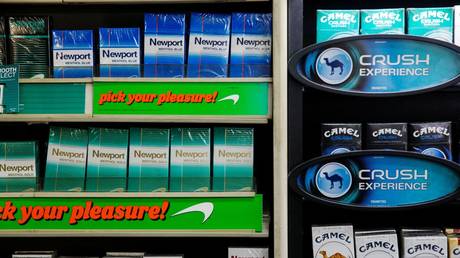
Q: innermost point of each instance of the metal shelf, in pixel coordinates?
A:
(114, 79)
(140, 233)
(38, 118)
(128, 194)
(123, 1)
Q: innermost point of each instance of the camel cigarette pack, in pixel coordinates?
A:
(424, 244)
(241, 252)
(73, 55)
(433, 139)
(376, 244)
(391, 136)
(454, 246)
(107, 160)
(66, 159)
(333, 240)
(334, 24)
(164, 45)
(233, 159)
(340, 138)
(2, 41)
(436, 23)
(148, 160)
(383, 21)
(209, 45)
(119, 52)
(251, 51)
(18, 166)
(190, 166)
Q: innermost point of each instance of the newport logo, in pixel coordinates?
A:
(120, 55)
(74, 57)
(166, 43)
(212, 43)
(333, 180)
(334, 66)
(255, 43)
(435, 152)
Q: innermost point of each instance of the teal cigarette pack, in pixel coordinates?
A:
(383, 21)
(148, 160)
(18, 166)
(233, 159)
(107, 160)
(190, 159)
(334, 24)
(66, 159)
(436, 23)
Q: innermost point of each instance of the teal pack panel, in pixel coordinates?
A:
(52, 98)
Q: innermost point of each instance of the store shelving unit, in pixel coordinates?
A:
(274, 170)
(307, 110)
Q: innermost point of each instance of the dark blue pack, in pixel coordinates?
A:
(340, 138)
(386, 136)
(164, 45)
(432, 139)
(119, 52)
(251, 51)
(73, 55)
(209, 45)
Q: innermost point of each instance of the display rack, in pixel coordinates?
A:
(273, 184)
(309, 107)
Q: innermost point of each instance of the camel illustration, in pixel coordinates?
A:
(333, 179)
(334, 64)
(336, 255)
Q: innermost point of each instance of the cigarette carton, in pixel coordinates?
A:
(333, 240)
(66, 159)
(148, 160)
(334, 24)
(340, 138)
(435, 23)
(376, 244)
(190, 160)
(107, 160)
(391, 136)
(383, 21)
(18, 166)
(433, 139)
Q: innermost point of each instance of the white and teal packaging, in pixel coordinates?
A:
(107, 160)
(148, 160)
(435, 23)
(233, 159)
(190, 167)
(383, 21)
(334, 24)
(18, 166)
(66, 159)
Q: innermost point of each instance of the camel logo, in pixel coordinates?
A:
(334, 66)
(333, 180)
(435, 152)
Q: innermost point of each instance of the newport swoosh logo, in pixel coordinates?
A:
(205, 207)
(234, 97)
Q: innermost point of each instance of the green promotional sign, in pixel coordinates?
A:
(181, 98)
(77, 213)
(9, 88)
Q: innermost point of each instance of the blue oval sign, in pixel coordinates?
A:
(378, 65)
(377, 179)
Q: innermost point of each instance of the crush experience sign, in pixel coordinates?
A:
(377, 179)
(378, 65)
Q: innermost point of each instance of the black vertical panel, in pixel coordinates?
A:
(295, 128)
(314, 107)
